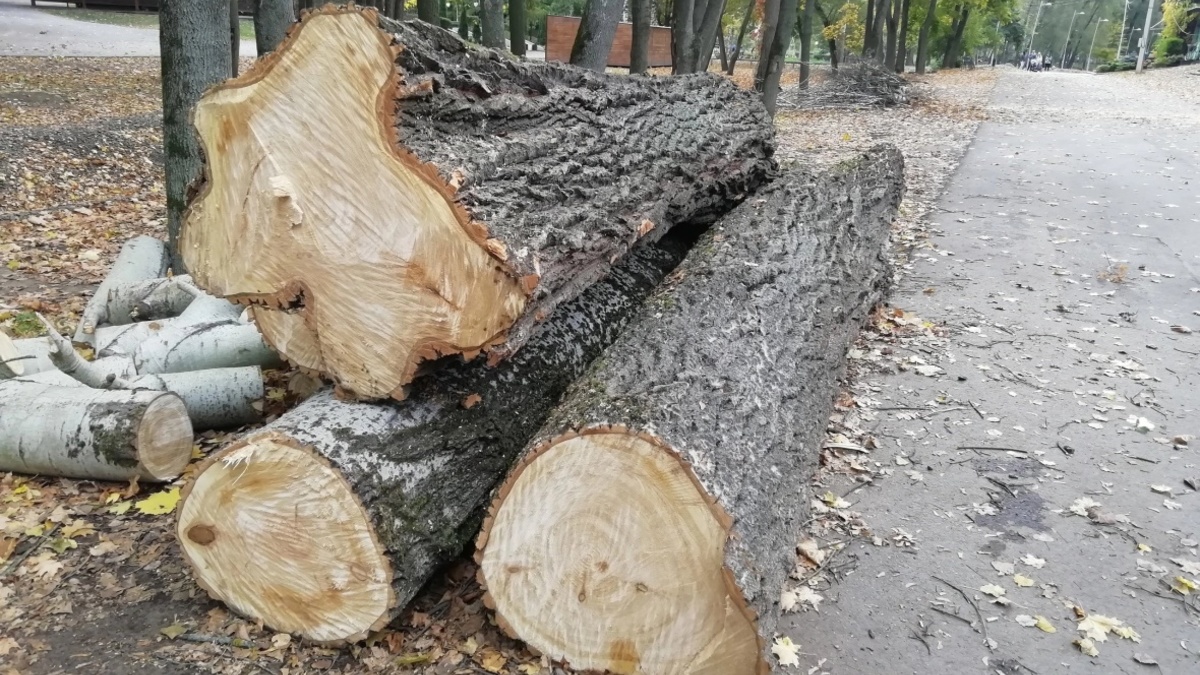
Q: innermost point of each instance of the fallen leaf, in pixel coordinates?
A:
(1022, 580)
(1145, 659)
(1025, 620)
(1097, 626)
(1188, 566)
(47, 567)
(1080, 506)
(835, 501)
(804, 596)
(121, 508)
(1087, 647)
(1004, 568)
(1161, 489)
(1033, 561)
(103, 548)
(1044, 625)
(159, 503)
(173, 631)
(7, 645)
(492, 661)
(992, 590)
(1127, 633)
(280, 640)
(786, 651)
(1183, 585)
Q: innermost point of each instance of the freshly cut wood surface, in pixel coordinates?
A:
(459, 197)
(654, 529)
(418, 474)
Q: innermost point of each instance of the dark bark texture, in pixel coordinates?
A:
(235, 38)
(893, 26)
(639, 57)
(597, 27)
(878, 29)
(194, 40)
(806, 31)
(902, 41)
(709, 23)
(774, 58)
(868, 30)
(427, 11)
(272, 19)
(954, 47)
(923, 37)
(766, 39)
(424, 468)
(491, 20)
(569, 168)
(516, 27)
(741, 36)
(735, 362)
(683, 34)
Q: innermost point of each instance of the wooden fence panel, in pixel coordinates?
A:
(560, 36)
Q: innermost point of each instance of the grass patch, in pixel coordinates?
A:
(128, 19)
(25, 325)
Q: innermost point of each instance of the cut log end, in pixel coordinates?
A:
(272, 530)
(390, 244)
(164, 438)
(603, 550)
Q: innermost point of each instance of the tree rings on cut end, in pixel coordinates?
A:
(603, 551)
(274, 532)
(164, 439)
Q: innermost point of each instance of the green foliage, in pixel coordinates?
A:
(1167, 47)
(26, 324)
(849, 18)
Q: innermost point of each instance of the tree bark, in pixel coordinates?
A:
(893, 26)
(737, 48)
(193, 38)
(427, 11)
(683, 35)
(272, 19)
(766, 32)
(775, 58)
(868, 30)
(882, 11)
(954, 47)
(597, 27)
(721, 49)
(491, 20)
(923, 37)
(832, 45)
(517, 26)
(806, 30)
(90, 433)
(411, 479)
(141, 258)
(902, 40)
(516, 187)
(235, 38)
(464, 21)
(706, 36)
(639, 56)
(654, 530)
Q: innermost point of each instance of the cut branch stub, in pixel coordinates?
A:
(459, 198)
(366, 231)
(616, 519)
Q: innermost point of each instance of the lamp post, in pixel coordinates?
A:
(1145, 42)
(1036, 18)
(1093, 47)
(1121, 39)
(1062, 62)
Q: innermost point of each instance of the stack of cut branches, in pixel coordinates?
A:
(858, 84)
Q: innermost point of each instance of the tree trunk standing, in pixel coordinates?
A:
(766, 33)
(954, 47)
(272, 19)
(923, 37)
(423, 471)
(597, 27)
(639, 56)
(737, 47)
(491, 22)
(779, 46)
(893, 26)
(427, 11)
(806, 30)
(902, 40)
(882, 11)
(464, 21)
(682, 37)
(499, 196)
(721, 49)
(832, 45)
(517, 27)
(620, 549)
(193, 39)
(868, 28)
(235, 37)
(706, 36)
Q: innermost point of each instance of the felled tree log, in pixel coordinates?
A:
(460, 197)
(359, 503)
(124, 340)
(23, 357)
(653, 531)
(181, 348)
(91, 433)
(141, 258)
(150, 299)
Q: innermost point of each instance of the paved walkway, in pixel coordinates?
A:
(25, 31)
(1074, 176)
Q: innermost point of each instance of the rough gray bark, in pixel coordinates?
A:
(902, 40)
(882, 12)
(597, 27)
(737, 48)
(734, 364)
(517, 26)
(235, 38)
(868, 30)
(923, 37)
(832, 45)
(706, 34)
(806, 31)
(639, 56)
(682, 36)
(194, 40)
(775, 56)
(427, 11)
(141, 259)
(954, 47)
(893, 25)
(425, 467)
(766, 34)
(272, 19)
(491, 20)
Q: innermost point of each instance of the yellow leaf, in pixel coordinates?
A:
(121, 508)
(173, 631)
(470, 646)
(1183, 585)
(1142, 548)
(492, 661)
(1128, 633)
(35, 531)
(1087, 647)
(786, 651)
(1022, 580)
(78, 528)
(159, 503)
(61, 545)
(845, 137)
(197, 453)
(530, 669)
(1045, 625)
(276, 394)
(112, 497)
(281, 640)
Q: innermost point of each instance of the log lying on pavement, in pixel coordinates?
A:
(360, 503)
(141, 258)
(653, 531)
(460, 197)
(91, 433)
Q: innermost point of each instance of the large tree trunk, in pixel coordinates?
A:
(737, 47)
(193, 38)
(869, 30)
(775, 56)
(893, 27)
(361, 503)
(766, 37)
(141, 259)
(597, 27)
(427, 11)
(902, 40)
(683, 35)
(516, 187)
(806, 30)
(517, 26)
(882, 12)
(235, 37)
(90, 433)
(954, 47)
(639, 55)
(653, 531)
(491, 20)
(832, 45)
(706, 35)
(272, 19)
(924, 36)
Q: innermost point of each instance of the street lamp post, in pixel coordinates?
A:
(1121, 39)
(1141, 62)
(1070, 27)
(1036, 18)
(1093, 47)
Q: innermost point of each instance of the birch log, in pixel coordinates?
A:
(653, 530)
(141, 258)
